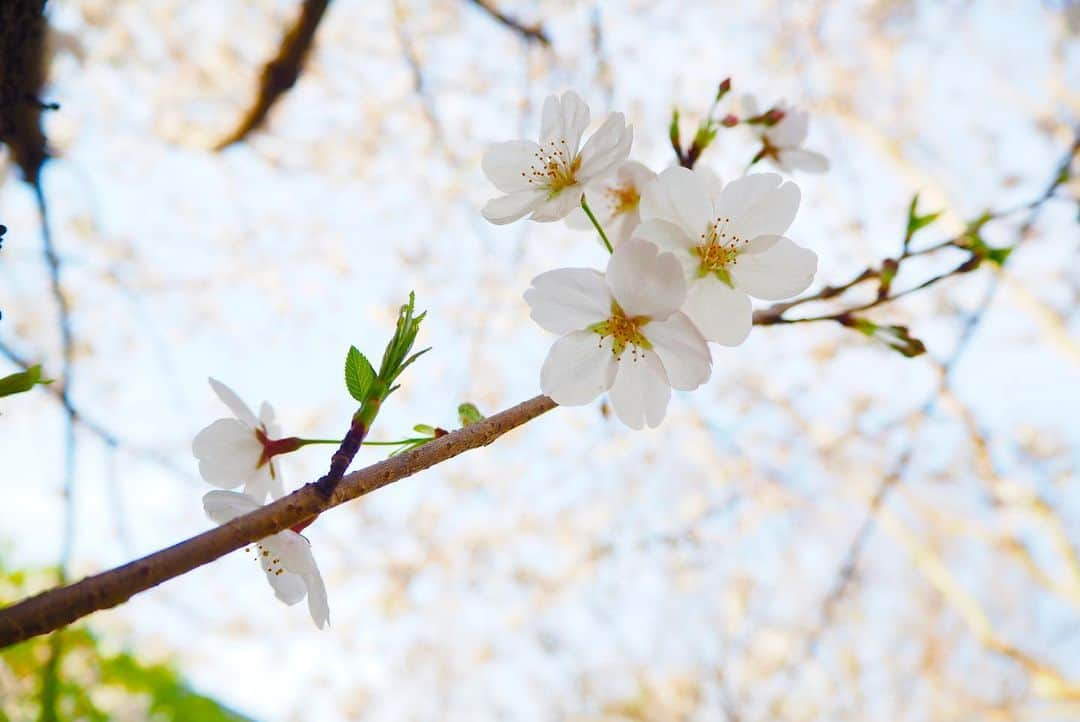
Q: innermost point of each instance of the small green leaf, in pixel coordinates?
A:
(898, 338)
(359, 374)
(673, 130)
(469, 414)
(424, 429)
(916, 222)
(22, 381)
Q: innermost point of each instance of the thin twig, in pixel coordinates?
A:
(531, 33)
(108, 437)
(58, 607)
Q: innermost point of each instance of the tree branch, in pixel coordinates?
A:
(774, 314)
(58, 607)
(530, 33)
(281, 73)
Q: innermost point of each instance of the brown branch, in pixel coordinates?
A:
(531, 33)
(58, 607)
(281, 73)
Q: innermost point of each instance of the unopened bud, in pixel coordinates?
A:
(729, 121)
(773, 117)
(725, 87)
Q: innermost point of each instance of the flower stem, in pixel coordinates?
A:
(309, 442)
(596, 224)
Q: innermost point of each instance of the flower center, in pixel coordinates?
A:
(623, 199)
(624, 330)
(719, 249)
(554, 167)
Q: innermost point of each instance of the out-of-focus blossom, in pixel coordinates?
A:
(547, 179)
(782, 139)
(621, 331)
(615, 201)
(239, 450)
(729, 239)
(285, 557)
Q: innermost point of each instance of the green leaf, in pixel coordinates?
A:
(17, 383)
(359, 374)
(469, 414)
(916, 222)
(673, 130)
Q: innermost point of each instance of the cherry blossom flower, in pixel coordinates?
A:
(547, 179)
(615, 201)
(781, 142)
(240, 450)
(285, 557)
(729, 239)
(621, 332)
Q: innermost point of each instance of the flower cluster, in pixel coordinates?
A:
(687, 254)
(240, 451)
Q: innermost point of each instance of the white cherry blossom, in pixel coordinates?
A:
(545, 180)
(621, 332)
(615, 201)
(782, 142)
(231, 452)
(729, 239)
(285, 557)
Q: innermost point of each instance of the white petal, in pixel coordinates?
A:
(293, 550)
(665, 235)
(559, 206)
(635, 174)
(264, 482)
(758, 204)
(773, 267)
(508, 164)
(711, 180)
(507, 209)
(607, 148)
(229, 398)
(678, 196)
(721, 313)
(569, 299)
(577, 220)
(682, 349)
(318, 604)
(564, 119)
(228, 452)
(579, 367)
(791, 131)
(622, 227)
(224, 506)
(645, 282)
(289, 588)
(806, 160)
(641, 391)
